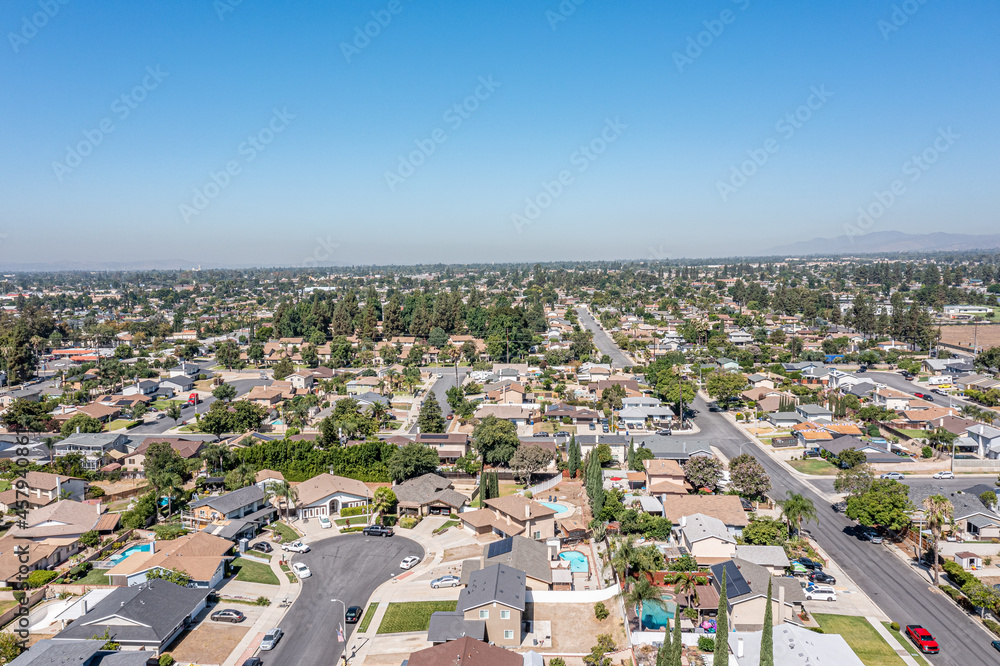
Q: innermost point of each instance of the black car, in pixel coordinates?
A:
(377, 530)
(253, 661)
(822, 577)
(353, 614)
(262, 547)
(812, 565)
(839, 507)
(562, 433)
(996, 645)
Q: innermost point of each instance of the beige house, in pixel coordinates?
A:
(707, 539)
(200, 555)
(665, 477)
(512, 516)
(50, 535)
(327, 494)
(746, 588)
(132, 464)
(772, 558)
(449, 446)
(726, 508)
(41, 489)
(496, 595)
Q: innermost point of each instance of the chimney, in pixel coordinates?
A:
(58, 486)
(739, 648)
(527, 509)
(781, 605)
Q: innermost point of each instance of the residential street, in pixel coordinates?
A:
(440, 387)
(347, 567)
(602, 340)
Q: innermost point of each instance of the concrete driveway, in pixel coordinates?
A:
(348, 567)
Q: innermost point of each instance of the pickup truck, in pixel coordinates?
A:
(377, 530)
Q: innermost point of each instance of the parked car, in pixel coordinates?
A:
(353, 614)
(438, 375)
(228, 615)
(812, 565)
(540, 434)
(446, 581)
(939, 391)
(820, 593)
(996, 645)
(893, 475)
(325, 523)
(605, 428)
(295, 547)
(822, 577)
(449, 417)
(922, 639)
(919, 395)
(377, 530)
(871, 535)
(862, 369)
(944, 475)
(409, 562)
(301, 570)
(562, 433)
(928, 397)
(666, 432)
(253, 661)
(839, 507)
(593, 426)
(271, 639)
(262, 547)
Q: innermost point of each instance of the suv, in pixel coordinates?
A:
(812, 565)
(377, 530)
(820, 593)
(922, 639)
(262, 547)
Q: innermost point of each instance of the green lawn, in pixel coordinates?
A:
(353, 520)
(116, 425)
(412, 615)
(6, 605)
(4, 485)
(165, 404)
(367, 619)
(249, 571)
(286, 532)
(450, 523)
(94, 577)
(862, 637)
(814, 466)
(907, 645)
(914, 434)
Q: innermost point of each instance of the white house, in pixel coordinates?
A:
(987, 439)
(326, 495)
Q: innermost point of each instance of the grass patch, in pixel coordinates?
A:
(866, 642)
(367, 619)
(165, 404)
(353, 520)
(411, 615)
(813, 466)
(914, 434)
(450, 523)
(94, 577)
(907, 645)
(249, 571)
(287, 533)
(7, 604)
(4, 485)
(117, 424)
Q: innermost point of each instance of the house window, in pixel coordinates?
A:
(484, 615)
(538, 535)
(504, 615)
(508, 634)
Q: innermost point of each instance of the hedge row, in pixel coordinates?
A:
(346, 512)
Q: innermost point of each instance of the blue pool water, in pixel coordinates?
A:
(577, 561)
(555, 506)
(141, 548)
(655, 616)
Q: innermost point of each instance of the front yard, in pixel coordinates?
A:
(253, 572)
(286, 532)
(411, 615)
(814, 466)
(862, 637)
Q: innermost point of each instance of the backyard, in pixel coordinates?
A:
(411, 615)
(862, 637)
(253, 572)
(94, 577)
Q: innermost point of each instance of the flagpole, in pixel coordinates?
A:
(342, 630)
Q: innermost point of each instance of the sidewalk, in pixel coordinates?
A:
(891, 640)
(269, 619)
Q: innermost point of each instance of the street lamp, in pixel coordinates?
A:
(343, 627)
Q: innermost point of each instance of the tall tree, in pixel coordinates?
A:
(767, 638)
(430, 418)
(721, 653)
(938, 511)
(677, 645)
(796, 509)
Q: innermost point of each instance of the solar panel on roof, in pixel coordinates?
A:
(736, 584)
(499, 548)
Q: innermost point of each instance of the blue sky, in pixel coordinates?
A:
(669, 97)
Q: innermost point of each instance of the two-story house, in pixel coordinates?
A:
(94, 447)
(240, 511)
(665, 477)
(449, 446)
(133, 463)
(706, 538)
(42, 488)
(511, 516)
(490, 606)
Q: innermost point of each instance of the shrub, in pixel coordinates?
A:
(355, 511)
(926, 452)
(166, 660)
(40, 577)
(601, 611)
(706, 644)
(557, 661)
(90, 539)
(894, 626)
(991, 625)
(262, 601)
(408, 522)
(528, 494)
(389, 520)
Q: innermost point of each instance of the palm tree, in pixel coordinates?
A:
(796, 509)
(285, 491)
(622, 558)
(938, 511)
(643, 591)
(174, 412)
(170, 483)
(379, 412)
(687, 586)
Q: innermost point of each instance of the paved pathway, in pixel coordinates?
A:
(891, 640)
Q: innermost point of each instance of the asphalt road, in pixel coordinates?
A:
(243, 386)
(602, 340)
(947, 486)
(895, 588)
(898, 382)
(441, 386)
(349, 568)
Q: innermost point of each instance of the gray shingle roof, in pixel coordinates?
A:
(231, 501)
(965, 503)
(674, 448)
(429, 488)
(498, 583)
(450, 626)
(528, 555)
(85, 652)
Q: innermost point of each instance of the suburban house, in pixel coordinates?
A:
(511, 516)
(665, 477)
(972, 520)
(772, 558)
(891, 399)
(726, 508)
(707, 539)
(465, 651)
(746, 589)
(449, 446)
(132, 464)
(327, 494)
(527, 555)
(576, 415)
(232, 515)
(874, 453)
(83, 652)
(496, 595)
(41, 489)
(814, 412)
(268, 478)
(200, 555)
(301, 381)
(142, 387)
(96, 448)
(147, 616)
(177, 384)
(507, 392)
(428, 494)
(517, 414)
(680, 449)
(987, 439)
(617, 443)
(792, 646)
(50, 536)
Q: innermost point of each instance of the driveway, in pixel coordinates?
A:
(347, 567)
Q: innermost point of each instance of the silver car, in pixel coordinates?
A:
(271, 639)
(446, 581)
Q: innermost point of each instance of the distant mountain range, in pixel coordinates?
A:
(60, 266)
(888, 241)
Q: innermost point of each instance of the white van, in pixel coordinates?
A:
(820, 593)
(941, 381)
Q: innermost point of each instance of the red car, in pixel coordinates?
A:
(922, 638)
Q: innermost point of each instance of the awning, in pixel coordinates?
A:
(980, 521)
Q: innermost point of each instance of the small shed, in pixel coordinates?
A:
(968, 560)
(562, 579)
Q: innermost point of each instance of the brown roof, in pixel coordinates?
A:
(108, 522)
(660, 467)
(198, 555)
(13, 549)
(726, 508)
(325, 485)
(477, 518)
(46, 481)
(670, 488)
(185, 448)
(466, 651)
(513, 505)
(63, 518)
(269, 474)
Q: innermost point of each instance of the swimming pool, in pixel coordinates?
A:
(655, 616)
(141, 548)
(578, 562)
(560, 509)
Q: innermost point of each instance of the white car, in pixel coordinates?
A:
(409, 562)
(295, 547)
(893, 475)
(820, 593)
(325, 523)
(271, 639)
(301, 570)
(439, 375)
(944, 475)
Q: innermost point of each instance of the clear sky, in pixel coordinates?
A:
(543, 131)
